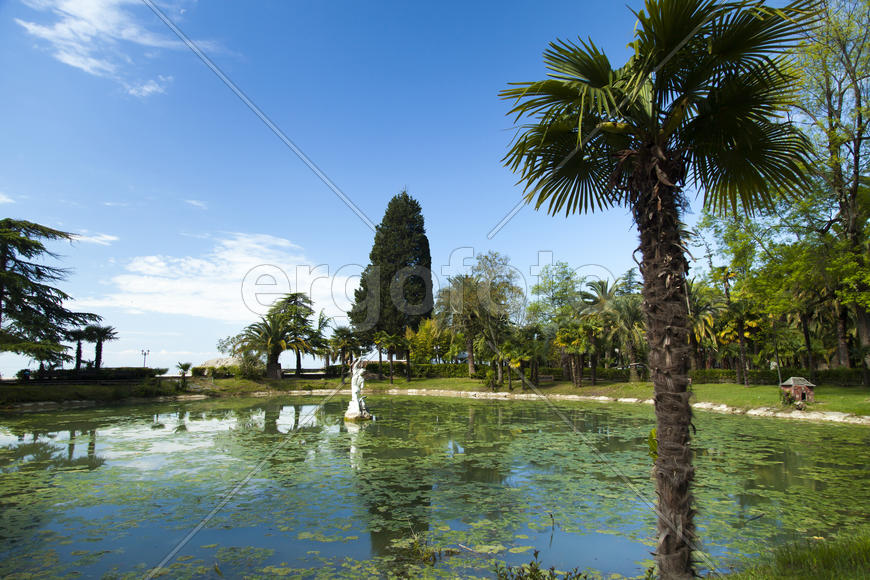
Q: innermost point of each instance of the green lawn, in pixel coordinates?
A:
(854, 400)
(845, 557)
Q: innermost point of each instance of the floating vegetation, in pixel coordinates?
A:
(434, 488)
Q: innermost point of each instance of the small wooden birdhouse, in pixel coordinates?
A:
(799, 389)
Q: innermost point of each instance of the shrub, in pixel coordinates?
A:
(251, 367)
(838, 377)
(199, 371)
(104, 374)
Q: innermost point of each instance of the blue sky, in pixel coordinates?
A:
(113, 129)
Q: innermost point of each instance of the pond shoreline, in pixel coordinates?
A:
(794, 414)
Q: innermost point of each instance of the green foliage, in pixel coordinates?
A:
(534, 571)
(33, 319)
(395, 290)
(652, 442)
(839, 377)
(94, 374)
(845, 556)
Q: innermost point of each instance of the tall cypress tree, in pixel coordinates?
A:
(395, 290)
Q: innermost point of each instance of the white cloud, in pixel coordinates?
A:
(5, 198)
(196, 203)
(227, 283)
(150, 87)
(98, 37)
(116, 204)
(95, 238)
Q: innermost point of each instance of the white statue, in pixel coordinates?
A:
(356, 409)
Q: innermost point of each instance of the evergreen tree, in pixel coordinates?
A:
(395, 289)
(33, 319)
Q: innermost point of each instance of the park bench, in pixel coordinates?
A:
(545, 379)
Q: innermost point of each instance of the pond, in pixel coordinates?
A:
(110, 492)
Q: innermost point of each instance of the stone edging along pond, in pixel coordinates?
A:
(831, 416)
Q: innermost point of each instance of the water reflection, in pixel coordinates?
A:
(494, 475)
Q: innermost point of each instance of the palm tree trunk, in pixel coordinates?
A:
(842, 341)
(500, 371)
(380, 364)
(469, 348)
(805, 329)
(594, 359)
(273, 368)
(862, 322)
(632, 363)
(98, 355)
(742, 375)
(78, 355)
(390, 357)
(408, 365)
(664, 269)
(298, 364)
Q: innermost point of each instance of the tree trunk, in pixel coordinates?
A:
(842, 340)
(298, 364)
(380, 364)
(742, 375)
(408, 365)
(78, 355)
(390, 358)
(862, 321)
(594, 367)
(533, 373)
(805, 329)
(566, 362)
(469, 348)
(273, 368)
(632, 364)
(664, 268)
(499, 364)
(98, 355)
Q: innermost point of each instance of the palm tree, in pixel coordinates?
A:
(78, 335)
(381, 338)
(344, 342)
(699, 102)
(297, 308)
(99, 335)
(183, 368)
(268, 336)
(456, 310)
(628, 329)
(704, 308)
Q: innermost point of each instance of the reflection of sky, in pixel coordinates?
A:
(7, 438)
(307, 417)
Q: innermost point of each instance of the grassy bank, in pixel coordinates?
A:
(855, 400)
(60, 392)
(847, 556)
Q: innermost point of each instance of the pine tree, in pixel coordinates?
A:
(33, 319)
(395, 290)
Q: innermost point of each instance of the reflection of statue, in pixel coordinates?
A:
(356, 409)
